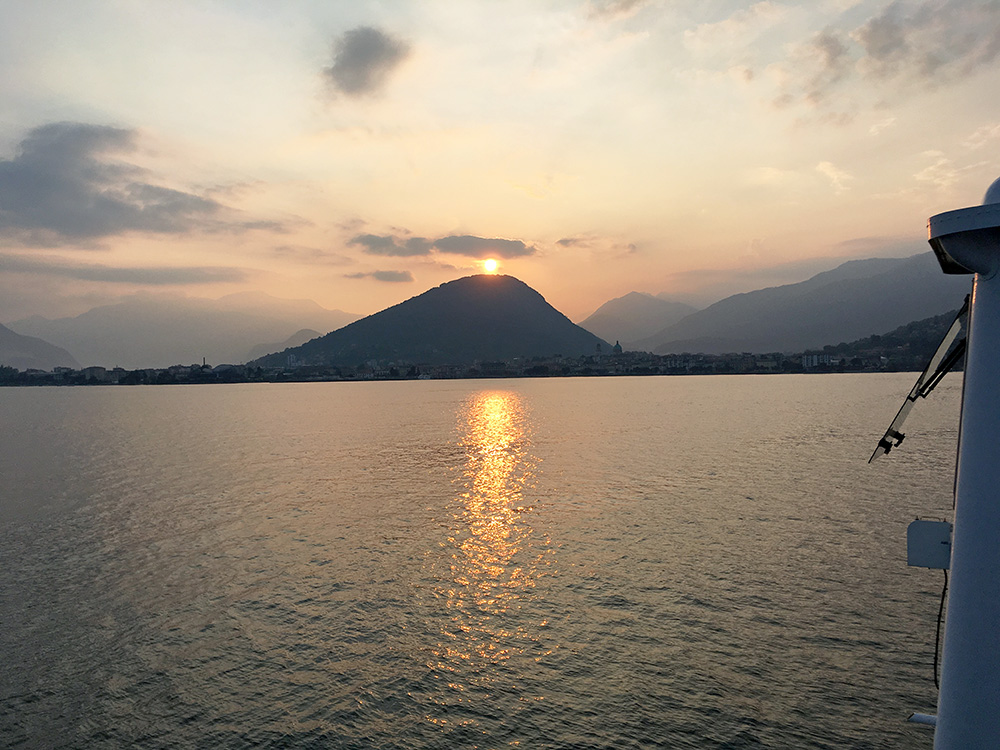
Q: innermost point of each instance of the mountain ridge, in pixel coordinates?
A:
(153, 330)
(635, 316)
(854, 300)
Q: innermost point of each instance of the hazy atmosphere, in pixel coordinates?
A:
(359, 153)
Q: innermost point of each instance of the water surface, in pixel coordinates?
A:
(561, 563)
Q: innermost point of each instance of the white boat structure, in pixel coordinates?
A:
(967, 241)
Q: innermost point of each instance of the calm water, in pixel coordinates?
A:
(584, 563)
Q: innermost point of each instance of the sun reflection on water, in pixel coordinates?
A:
(495, 555)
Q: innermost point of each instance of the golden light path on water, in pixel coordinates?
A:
(495, 557)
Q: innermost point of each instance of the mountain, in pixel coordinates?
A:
(296, 339)
(28, 352)
(474, 318)
(635, 316)
(854, 300)
(153, 330)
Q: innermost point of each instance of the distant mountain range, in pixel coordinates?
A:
(28, 352)
(481, 317)
(486, 318)
(635, 316)
(164, 330)
(857, 299)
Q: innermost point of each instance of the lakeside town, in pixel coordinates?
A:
(616, 363)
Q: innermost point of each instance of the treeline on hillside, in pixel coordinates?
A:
(907, 348)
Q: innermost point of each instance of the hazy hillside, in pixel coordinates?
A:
(475, 318)
(296, 339)
(855, 300)
(164, 330)
(28, 352)
(635, 316)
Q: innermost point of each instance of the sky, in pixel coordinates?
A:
(359, 153)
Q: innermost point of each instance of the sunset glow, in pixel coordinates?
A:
(358, 154)
(490, 265)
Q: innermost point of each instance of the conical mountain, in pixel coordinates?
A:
(483, 317)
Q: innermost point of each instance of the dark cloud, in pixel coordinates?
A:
(884, 38)
(934, 41)
(158, 276)
(64, 186)
(393, 276)
(834, 63)
(905, 45)
(363, 59)
(819, 65)
(472, 247)
(387, 276)
(418, 245)
(374, 244)
(482, 247)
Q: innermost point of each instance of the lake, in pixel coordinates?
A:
(676, 562)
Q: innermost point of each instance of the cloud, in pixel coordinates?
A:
(905, 46)
(815, 68)
(482, 247)
(881, 125)
(741, 25)
(393, 276)
(838, 177)
(467, 245)
(884, 39)
(303, 254)
(941, 173)
(158, 275)
(615, 9)
(596, 245)
(931, 42)
(418, 245)
(771, 177)
(374, 244)
(363, 60)
(387, 276)
(832, 53)
(63, 186)
(879, 247)
(982, 136)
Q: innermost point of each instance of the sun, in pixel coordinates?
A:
(490, 265)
